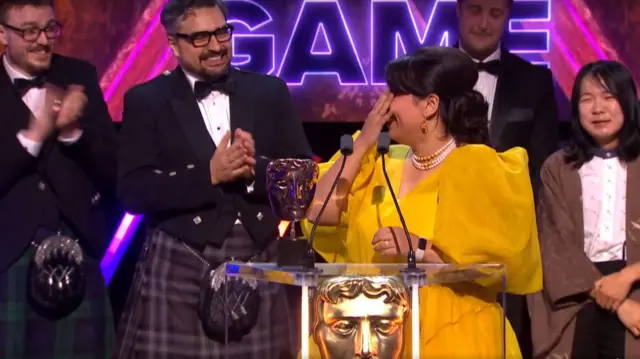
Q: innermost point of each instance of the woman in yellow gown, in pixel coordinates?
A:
(471, 204)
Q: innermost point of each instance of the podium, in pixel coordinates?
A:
(350, 310)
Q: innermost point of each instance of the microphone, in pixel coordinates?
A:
(384, 142)
(346, 148)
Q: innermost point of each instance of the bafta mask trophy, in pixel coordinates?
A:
(291, 185)
(361, 317)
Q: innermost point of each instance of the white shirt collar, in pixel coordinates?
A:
(494, 55)
(12, 71)
(191, 78)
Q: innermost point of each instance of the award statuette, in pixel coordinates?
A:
(291, 185)
(361, 317)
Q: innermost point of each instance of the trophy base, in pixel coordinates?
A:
(292, 253)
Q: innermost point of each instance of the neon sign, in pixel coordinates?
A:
(321, 41)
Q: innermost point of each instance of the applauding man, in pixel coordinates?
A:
(57, 172)
(195, 146)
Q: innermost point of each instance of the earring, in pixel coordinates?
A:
(423, 127)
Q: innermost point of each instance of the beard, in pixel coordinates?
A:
(218, 72)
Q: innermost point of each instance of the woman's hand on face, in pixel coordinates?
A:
(377, 118)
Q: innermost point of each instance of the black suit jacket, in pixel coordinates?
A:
(81, 176)
(165, 152)
(525, 112)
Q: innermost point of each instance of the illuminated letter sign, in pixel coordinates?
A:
(394, 30)
(321, 19)
(320, 42)
(254, 52)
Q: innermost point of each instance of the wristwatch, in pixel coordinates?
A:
(422, 247)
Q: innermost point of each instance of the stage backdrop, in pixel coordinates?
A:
(332, 53)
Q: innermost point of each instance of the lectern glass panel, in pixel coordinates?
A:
(385, 311)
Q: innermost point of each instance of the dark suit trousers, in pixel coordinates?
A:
(599, 333)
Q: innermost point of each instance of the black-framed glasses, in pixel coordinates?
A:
(203, 38)
(32, 33)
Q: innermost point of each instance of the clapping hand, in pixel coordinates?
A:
(66, 108)
(61, 111)
(245, 140)
(230, 163)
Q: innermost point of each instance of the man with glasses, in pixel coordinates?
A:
(195, 146)
(57, 172)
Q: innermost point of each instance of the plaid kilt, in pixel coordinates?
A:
(161, 321)
(88, 332)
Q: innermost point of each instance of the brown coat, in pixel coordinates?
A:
(568, 272)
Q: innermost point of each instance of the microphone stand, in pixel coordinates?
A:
(414, 277)
(383, 148)
(346, 148)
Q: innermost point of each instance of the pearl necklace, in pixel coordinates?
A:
(434, 160)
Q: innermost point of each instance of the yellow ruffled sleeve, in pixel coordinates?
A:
(331, 241)
(486, 214)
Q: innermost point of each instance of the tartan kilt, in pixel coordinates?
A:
(88, 332)
(161, 321)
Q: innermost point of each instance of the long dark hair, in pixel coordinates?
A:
(451, 75)
(619, 83)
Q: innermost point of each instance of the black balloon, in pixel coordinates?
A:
(237, 299)
(56, 277)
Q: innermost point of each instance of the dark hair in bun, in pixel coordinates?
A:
(451, 75)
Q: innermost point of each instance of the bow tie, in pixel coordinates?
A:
(492, 67)
(22, 86)
(202, 89)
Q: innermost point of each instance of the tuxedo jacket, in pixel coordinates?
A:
(525, 112)
(165, 151)
(77, 180)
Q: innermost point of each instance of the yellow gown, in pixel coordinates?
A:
(477, 207)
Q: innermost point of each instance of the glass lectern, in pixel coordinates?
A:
(352, 310)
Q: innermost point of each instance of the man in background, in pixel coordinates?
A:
(522, 106)
(195, 146)
(57, 174)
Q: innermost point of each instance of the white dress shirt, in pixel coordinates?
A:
(487, 82)
(604, 190)
(216, 114)
(35, 101)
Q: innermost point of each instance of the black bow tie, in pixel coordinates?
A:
(492, 67)
(22, 86)
(202, 89)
